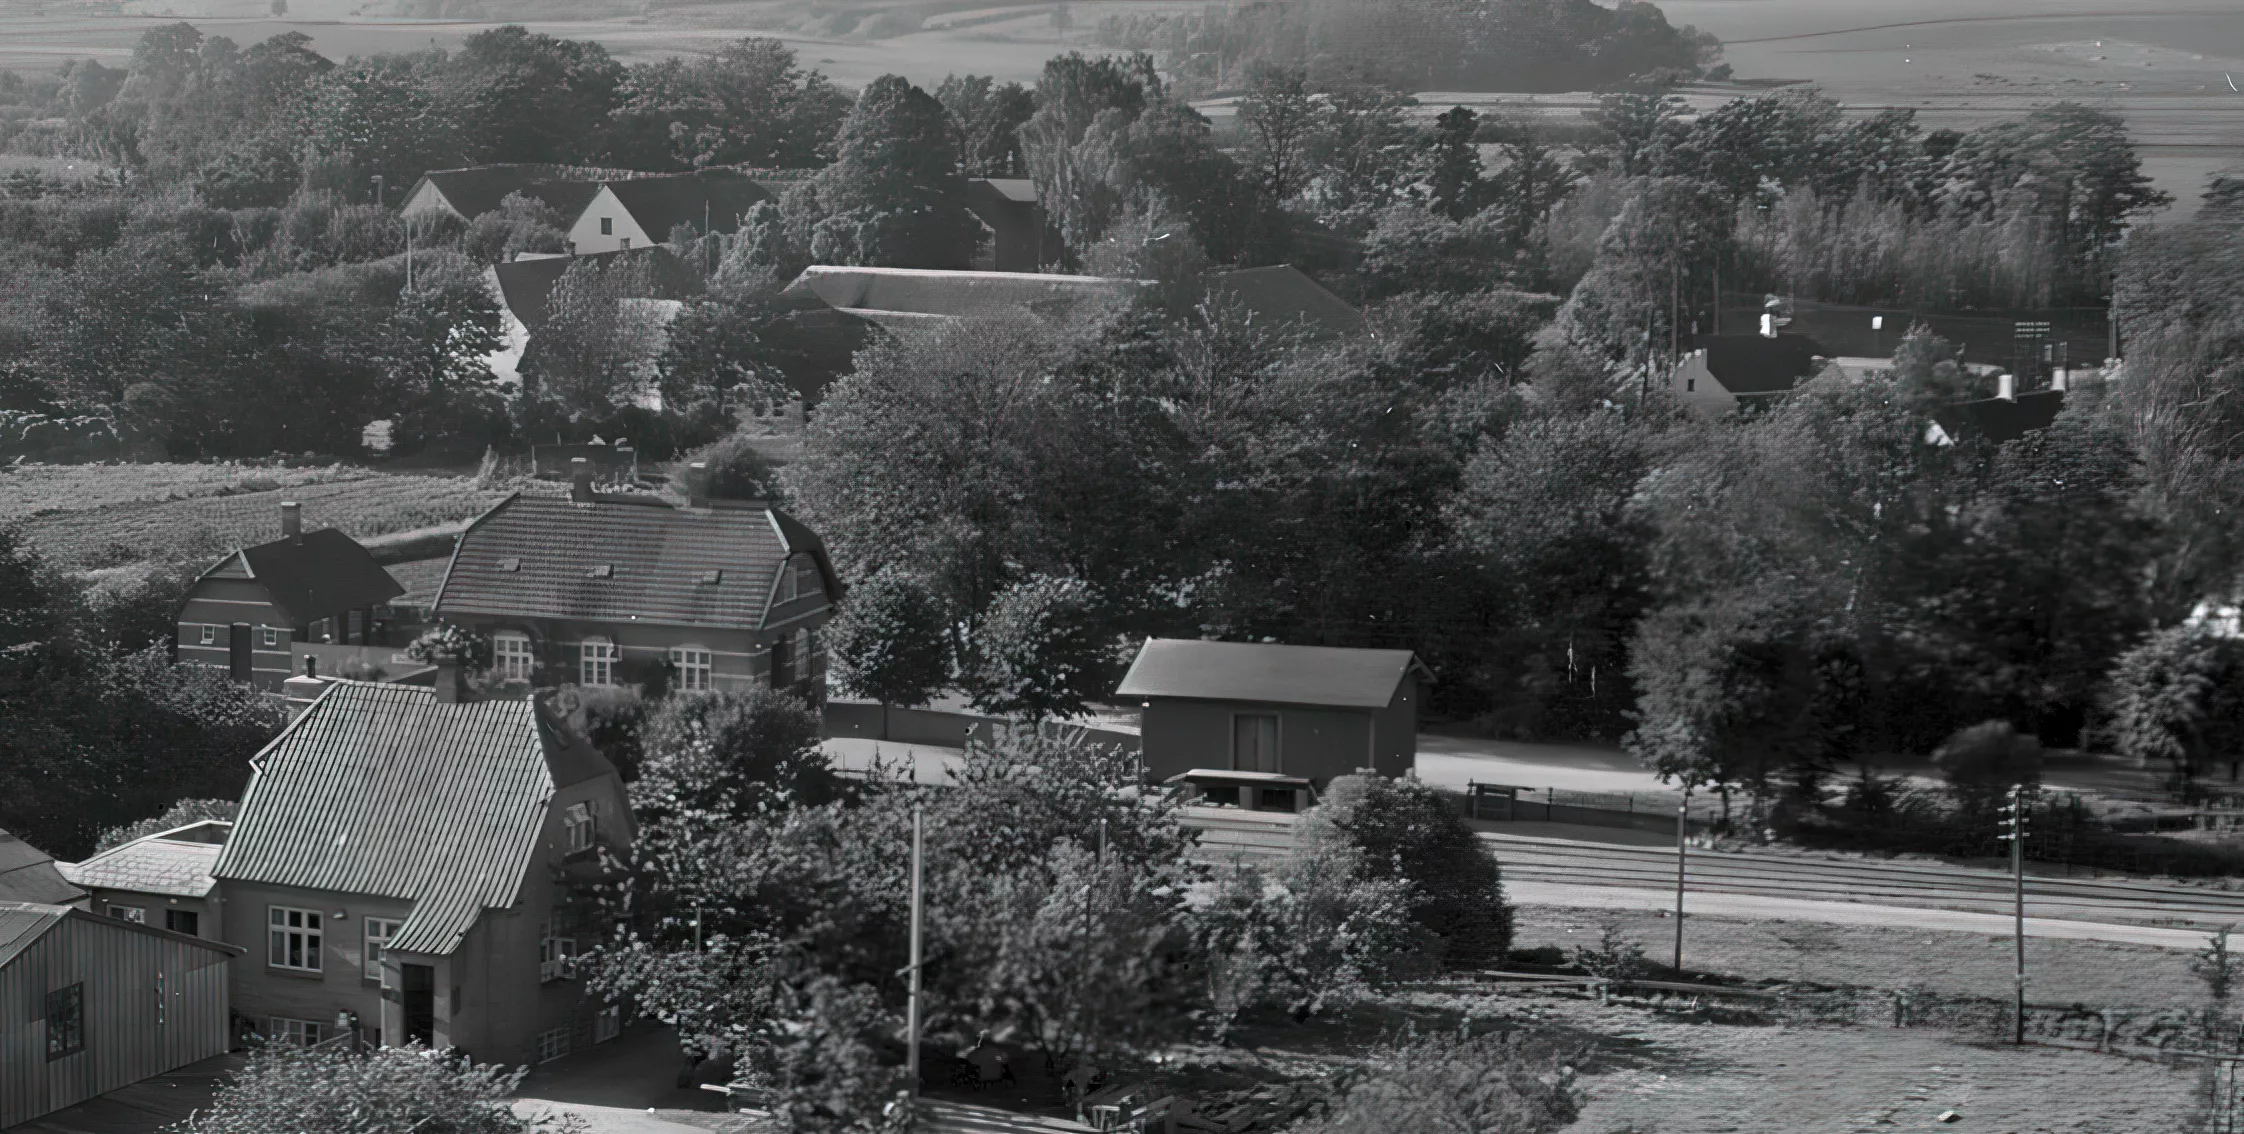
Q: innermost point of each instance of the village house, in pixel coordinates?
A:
(1268, 726)
(2007, 416)
(1020, 238)
(89, 1004)
(640, 212)
(161, 879)
(248, 611)
(400, 869)
(601, 589)
(1743, 373)
(471, 192)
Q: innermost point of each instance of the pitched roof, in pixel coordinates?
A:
(1754, 364)
(1283, 675)
(382, 790)
(525, 285)
(717, 196)
(884, 293)
(22, 924)
(1019, 190)
(28, 874)
(539, 557)
(479, 189)
(326, 573)
(420, 578)
(153, 865)
(2001, 419)
(1283, 294)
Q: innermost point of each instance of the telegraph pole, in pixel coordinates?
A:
(2014, 832)
(911, 1013)
(1682, 855)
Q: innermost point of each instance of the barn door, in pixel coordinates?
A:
(1254, 742)
(237, 650)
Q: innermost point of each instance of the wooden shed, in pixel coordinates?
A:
(1302, 713)
(89, 1004)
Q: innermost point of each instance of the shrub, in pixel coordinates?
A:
(177, 815)
(287, 1087)
(1614, 957)
(452, 644)
(1487, 1085)
(1408, 831)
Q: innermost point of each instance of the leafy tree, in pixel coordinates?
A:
(449, 643)
(1484, 1085)
(729, 754)
(988, 117)
(890, 641)
(2178, 698)
(1042, 650)
(288, 1086)
(1407, 831)
(1453, 164)
(894, 196)
(1070, 144)
(747, 103)
(596, 349)
(1412, 249)
(519, 224)
(521, 96)
(1345, 924)
(1983, 763)
(443, 327)
(1643, 124)
(1279, 116)
(375, 118)
(177, 815)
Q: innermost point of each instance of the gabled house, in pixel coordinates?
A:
(400, 868)
(1266, 726)
(89, 1004)
(1732, 373)
(28, 874)
(162, 879)
(599, 589)
(640, 212)
(471, 192)
(1021, 237)
(246, 612)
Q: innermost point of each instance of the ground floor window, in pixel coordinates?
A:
(596, 662)
(188, 922)
(693, 667)
(510, 656)
(553, 1043)
(66, 1021)
(294, 938)
(303, 1033)
(138, 915)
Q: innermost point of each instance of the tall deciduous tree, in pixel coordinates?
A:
(895, 196)
(747, 103)
(890, 642)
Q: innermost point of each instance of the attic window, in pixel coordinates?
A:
(510, 563)
(712, 578)
(603, 571)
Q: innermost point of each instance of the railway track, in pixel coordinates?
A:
(1230, 836)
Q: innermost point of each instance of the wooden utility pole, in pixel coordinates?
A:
(1682, 855)
(2015, 822)
(911, 1012)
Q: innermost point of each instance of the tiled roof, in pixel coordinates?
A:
(479, 189)
(153, 865)
(525, 285)
(1282, 294)
(535, 557)
(716, 196)
(1019, 190)
(28, 874)
(381, 790)
(912, 291)
(1754, 364)
(327, 573)
(1283, 675)
(420, 578)
(2001, 419)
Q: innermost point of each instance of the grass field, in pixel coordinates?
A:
(93, 516)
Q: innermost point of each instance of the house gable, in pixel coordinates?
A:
(622, 229)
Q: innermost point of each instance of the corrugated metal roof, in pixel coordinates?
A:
(149, 866)
(28, 874)
(381, 790)
(533, 557)
(22, 923)
(1280, 675)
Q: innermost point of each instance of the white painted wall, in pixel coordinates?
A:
(585, 236)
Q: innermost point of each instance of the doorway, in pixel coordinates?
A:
(418, 995)
(237, 651)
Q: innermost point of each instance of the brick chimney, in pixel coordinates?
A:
(697, 484)
(292, 522)
(447, 682)
(2006, 387)
(580, 480)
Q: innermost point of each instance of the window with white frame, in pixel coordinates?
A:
(303, 1033)
(379, 930)
(801, 653)
(577, 827)
(692, 663)
(210, 636)
(596, 662)
(272, 636)
(553, 1043)
(510, 656)
(293, 939)
(555, 955)
(138, 915)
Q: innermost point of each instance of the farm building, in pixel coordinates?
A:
(247, 612)
(28, 874)
(1021, 238)
(1268, 725)
(398, 869)
(1729, 373)
(89, 1004)
(2007, 416)
(600, 589)
(161, 879)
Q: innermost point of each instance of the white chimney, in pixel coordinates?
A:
(1768, 325)
(2006, 387)
(2058, 379)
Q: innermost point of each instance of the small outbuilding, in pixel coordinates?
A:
(89, 1004)
(1219, 712)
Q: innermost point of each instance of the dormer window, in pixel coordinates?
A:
(712, 578)
(511, 563)
(603, 571)
(799, 580)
